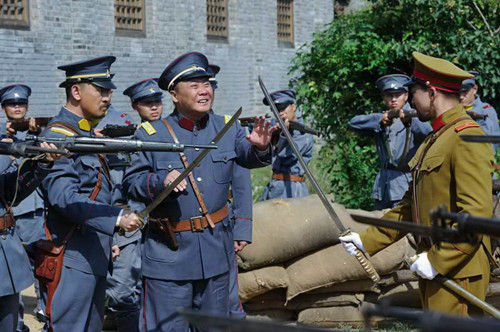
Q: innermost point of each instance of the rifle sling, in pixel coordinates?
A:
(196, 190)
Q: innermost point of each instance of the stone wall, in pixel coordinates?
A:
(63, 31)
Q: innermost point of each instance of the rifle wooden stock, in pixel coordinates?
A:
(392, 114)
(23, 124)
(118, 131)
(477, 116)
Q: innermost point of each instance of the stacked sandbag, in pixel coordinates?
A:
(296, 269)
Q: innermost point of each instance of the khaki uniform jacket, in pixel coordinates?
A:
(453, 173)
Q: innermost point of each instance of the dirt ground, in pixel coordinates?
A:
(29, 299)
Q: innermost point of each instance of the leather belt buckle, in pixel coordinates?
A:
(196, 224)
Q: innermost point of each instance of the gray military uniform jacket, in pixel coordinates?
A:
(392, 179)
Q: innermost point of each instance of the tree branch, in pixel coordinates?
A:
(484, 19)
(472, 25)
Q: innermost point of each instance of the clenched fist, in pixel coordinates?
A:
(129, 221)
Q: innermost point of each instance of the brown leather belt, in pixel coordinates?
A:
(194, 224)
(288, 177)
(7, 221)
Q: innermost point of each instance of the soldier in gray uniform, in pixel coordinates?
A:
(16, 273)
(188, 268)
(123, 286)
(28, 213)
(396, 141)
(146, 99)
(472, 102)
(288, 179)
(79, 204)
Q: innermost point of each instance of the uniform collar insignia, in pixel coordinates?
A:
(87, 125)
(438, 123)
(189, 124)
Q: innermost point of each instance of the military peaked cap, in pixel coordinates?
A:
(281, 98)
(16, 93)
(438, 73)
(146, 90)
(393, 82)
(95, 71)
(470, 82)
(189, 65)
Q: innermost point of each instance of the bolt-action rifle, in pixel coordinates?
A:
(92, 145)
(293, 125)
(413, 114)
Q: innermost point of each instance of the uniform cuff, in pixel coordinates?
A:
(118, 218)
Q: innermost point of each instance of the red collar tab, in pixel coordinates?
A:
(437, 123)
(189, 124)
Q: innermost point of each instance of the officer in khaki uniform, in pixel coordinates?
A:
(446, 171)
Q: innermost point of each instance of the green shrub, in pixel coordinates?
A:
(335, 73)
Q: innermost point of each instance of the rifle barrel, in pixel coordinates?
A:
(467, 223)
(440, 233)
(495, 139)
(82, 144)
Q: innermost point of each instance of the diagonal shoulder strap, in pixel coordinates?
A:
(197, 191)
(416, 172)
(64, 125)
(97, 187)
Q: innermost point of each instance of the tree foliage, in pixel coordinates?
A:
(335, 73)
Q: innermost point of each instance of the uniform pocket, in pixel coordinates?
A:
(156, 249)
(223, 165)
(432, 163)
(169, 165)
(90, 162)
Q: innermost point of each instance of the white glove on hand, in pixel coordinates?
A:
(422, 266)
(352, 242)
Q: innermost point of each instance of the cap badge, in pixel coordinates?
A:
(16, 95)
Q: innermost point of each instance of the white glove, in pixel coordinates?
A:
(422, 266)
(351, 243)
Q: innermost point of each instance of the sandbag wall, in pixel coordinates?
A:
(296, 270)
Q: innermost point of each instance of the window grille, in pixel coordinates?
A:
(14, 13)
(129, 15)
(217, 18)
(285, 21)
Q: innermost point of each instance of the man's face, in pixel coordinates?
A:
(395, 100)
(15, 111)
(467, 97)
(288, 113)
(94, 100)
(149, 110)
(193, 97)
(421, 101)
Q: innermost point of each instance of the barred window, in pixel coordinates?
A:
(217, 18)
(14, 13)
(285, 22)
(129, 15)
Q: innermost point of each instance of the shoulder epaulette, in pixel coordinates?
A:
(487, 106)
(62, 131)
(148, 128)
(466, 125)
